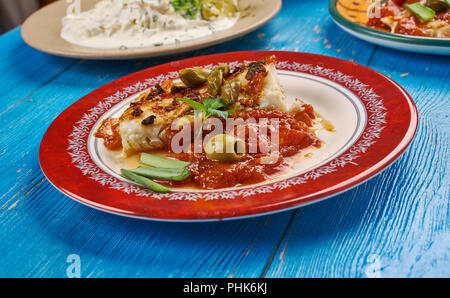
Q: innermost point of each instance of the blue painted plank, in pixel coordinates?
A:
(23, 70)
(30, 206)
(396, 225)
(51, 227)
(40, 227)
(48, 226)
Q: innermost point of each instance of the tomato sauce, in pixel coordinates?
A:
(294, 135)
(109, 132)
(404, 22)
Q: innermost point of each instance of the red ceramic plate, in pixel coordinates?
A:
(375, 121)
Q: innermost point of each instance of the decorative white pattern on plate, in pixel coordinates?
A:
(77, 148)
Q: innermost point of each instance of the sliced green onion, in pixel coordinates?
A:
(144, 181)
(162, 173)
(421, 11)
(162, 162)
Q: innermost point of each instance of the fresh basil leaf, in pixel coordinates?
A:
(193, 104)
(233, 110)
(215, 103)
(210, 106)
(219, 113)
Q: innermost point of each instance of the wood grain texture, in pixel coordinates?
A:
(398, 220)
(22, 64)
(397, 224)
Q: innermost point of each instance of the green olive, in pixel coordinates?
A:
(212, 9)
(194, 77)
(438, 5)
(230, 91)
(225, 148)
(224, 68)
(214, 82)
(215, 79)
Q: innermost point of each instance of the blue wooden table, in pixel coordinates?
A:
(395, 225)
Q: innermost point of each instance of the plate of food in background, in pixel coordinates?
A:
(126, 29)
(421, 26)
(228, 136)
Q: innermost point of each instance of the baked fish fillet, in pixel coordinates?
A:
(143, 126)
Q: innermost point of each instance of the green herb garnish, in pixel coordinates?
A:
(187, 8)
(162, 162)
(144, 181)
(162, 173)
(162, 169)
(209, 107)
(421, 11)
